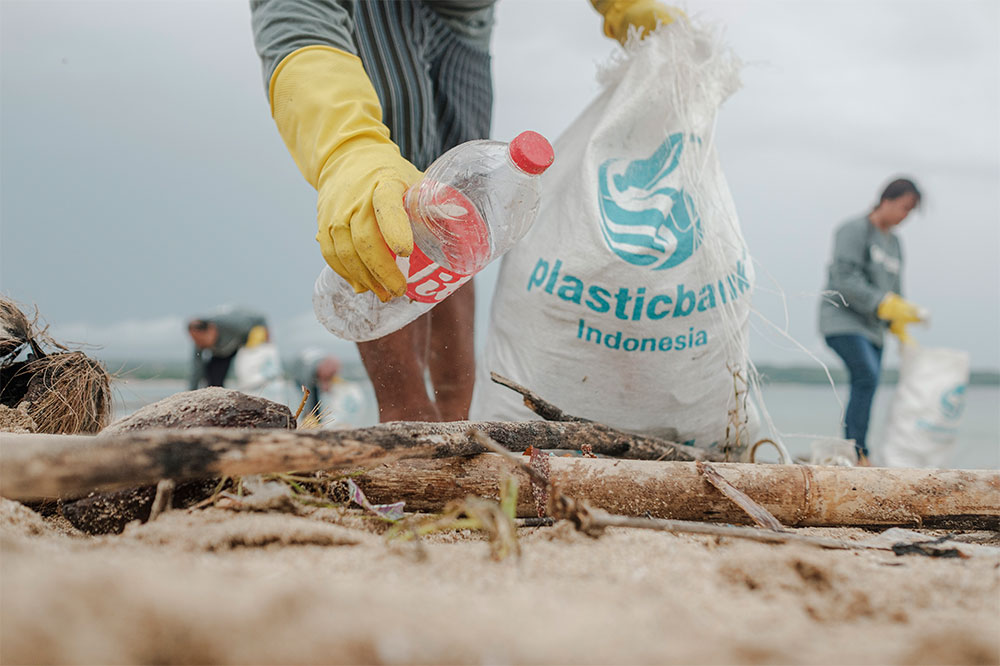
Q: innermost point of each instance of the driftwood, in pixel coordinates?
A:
(535, 402)
(428, 465)
(550, 412)
(103, 513)
(42, 466)
(796, 495)
(593, 521)
(757, 513)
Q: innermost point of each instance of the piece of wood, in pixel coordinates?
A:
(757, 513)
(598, 520)
(44, 466)
(594, 521)
(796, 495)
(535, 402)
(163, 499)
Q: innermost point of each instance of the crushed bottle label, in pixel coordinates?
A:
(429, 282)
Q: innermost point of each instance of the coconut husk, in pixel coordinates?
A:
(15, 329)
(60, 393)
(66, 393)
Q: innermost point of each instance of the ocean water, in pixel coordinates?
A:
(803, 412)
(800, 412)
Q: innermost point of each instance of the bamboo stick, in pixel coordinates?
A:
(796, 495)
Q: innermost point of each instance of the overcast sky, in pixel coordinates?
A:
(143, 180)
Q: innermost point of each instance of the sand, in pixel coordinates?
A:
(226, 587)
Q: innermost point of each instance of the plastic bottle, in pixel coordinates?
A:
(472, 205)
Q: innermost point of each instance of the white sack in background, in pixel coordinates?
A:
(257, 371)
(628, 301)
(926, 408)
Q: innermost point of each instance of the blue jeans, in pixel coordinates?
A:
(864, 362)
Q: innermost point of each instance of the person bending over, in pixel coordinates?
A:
(366, 94)
(217, 338)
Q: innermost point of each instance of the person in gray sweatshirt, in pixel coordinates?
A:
(862, 300)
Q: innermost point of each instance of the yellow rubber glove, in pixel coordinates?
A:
(620, 14)
(330, 118)
(258, 335)
(898, 313)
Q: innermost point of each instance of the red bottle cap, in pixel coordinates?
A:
(531, 152)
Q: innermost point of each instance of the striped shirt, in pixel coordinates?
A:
(428, 61)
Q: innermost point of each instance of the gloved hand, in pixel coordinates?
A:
(330, 118)
(620, 14)
(899, 313)
(258, 335)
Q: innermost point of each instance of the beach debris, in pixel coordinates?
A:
(145, 448)
(535, 402)
(427, 465)
(222, 531)
(16, 419)
(15, 328)
(539, 461)
(164, 496)
(62, 391)
(109, 513)
(289, 492)
(759, 514)
(391, 512)
(593, 522)
(302, 403)
(907, 542)
(259, 493)
(796, 495)
(494, 518)
(975, 491)
(670, 450)
(67, 393)
(929, 548)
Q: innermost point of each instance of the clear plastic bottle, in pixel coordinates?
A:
(472, 205)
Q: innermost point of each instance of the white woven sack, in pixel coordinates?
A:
(257, 371)
(926, 407)
(628, 301)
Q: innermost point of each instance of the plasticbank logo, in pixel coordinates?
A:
(953, 402)
(644, 221)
